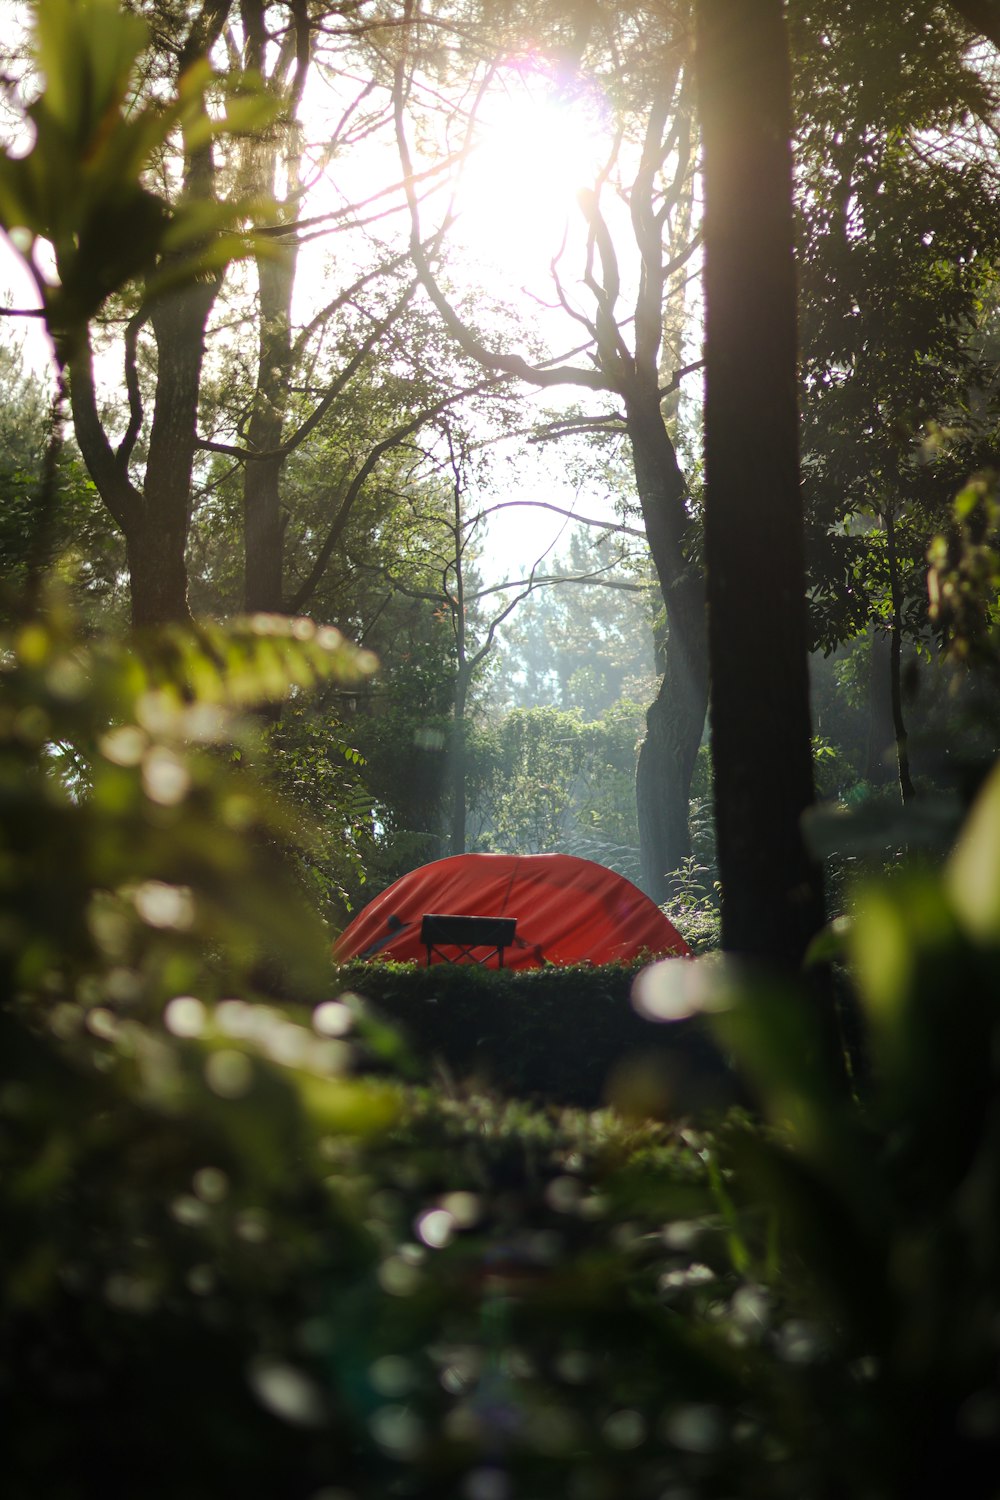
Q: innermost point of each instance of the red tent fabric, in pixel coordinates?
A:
(568, 910)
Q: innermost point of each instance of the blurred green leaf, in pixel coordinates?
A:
(973, 874)
(80, 186)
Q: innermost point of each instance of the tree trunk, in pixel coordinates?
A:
(155, 519)
(41, 543)
(772, 898)
(881, 737)
(157, 570)
(159, 586)
(457, 769)
(262, 522)
(271, 162)
(906, 789)
(675, 721)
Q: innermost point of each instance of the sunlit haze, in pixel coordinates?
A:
(537, 144)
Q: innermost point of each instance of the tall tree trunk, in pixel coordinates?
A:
(154, 549)
(772, 897)
(881, 737)
(906, 789)
(675, 720)
(457, 769)
(159, 587)
(262, 521)
(270, 163)
(155, 518)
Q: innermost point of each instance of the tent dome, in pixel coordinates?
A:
(568, 911)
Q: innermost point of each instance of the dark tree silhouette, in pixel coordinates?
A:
(761, 741)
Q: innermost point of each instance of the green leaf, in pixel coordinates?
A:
(973, 872)
(86, 50)
(830, 944)
(80, 186)
(884, 956)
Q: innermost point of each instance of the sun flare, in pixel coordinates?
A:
(537, 145)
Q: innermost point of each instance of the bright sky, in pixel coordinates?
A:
(538, 143)
(18, 290)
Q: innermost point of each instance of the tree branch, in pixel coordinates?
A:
(321, 408)
(983, 16)
(595, 577)
(341, 300)
(120, 496)
(612, 351)
(132, 331)
(618, 527)
(674, 382)
(397, 436)
(468, 342)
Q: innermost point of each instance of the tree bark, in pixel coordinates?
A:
(675, 720)
(772, 898)
(154, 550)
(155, 519)
(906, 789)
(262, 523)
(159, 586)
(457, 769)
(881, 738)
(156, 516)
(264, 156)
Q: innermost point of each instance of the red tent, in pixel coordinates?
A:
(568, 911)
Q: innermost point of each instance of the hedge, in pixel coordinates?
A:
(561, 1035)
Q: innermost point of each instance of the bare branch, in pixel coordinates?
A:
(326, 220)
(120, 496)
(132, 330)
(340, 300)
(618, 527)
(552, 432)
(393, 440)
(321, 408)
(564, 301)
(495, 624)
(674, 382)
(613, 352)
(622, 584)
(678, 261)
(468, 342)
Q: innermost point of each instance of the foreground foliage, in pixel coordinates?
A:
(566, 1036)
(236, 1260)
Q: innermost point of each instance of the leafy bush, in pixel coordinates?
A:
(230, 1263)
(694, 905)
(872, 1222)
(160, 1139)
(562, 1035)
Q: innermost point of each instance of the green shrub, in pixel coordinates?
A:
(231, 1263)
(561, 1035)
(873, 1222)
